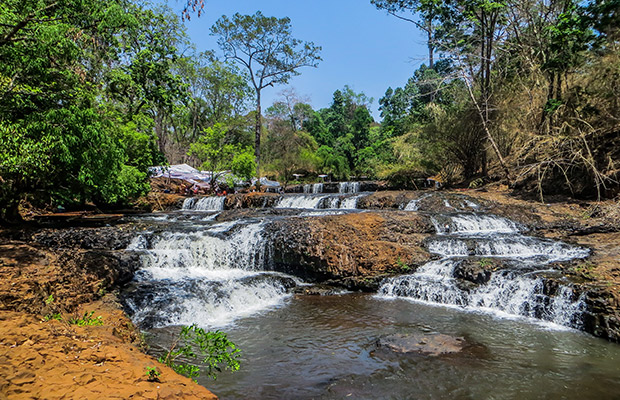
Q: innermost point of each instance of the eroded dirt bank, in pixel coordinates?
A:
(56, 360)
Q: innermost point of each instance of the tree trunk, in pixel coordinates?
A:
(430, 44)
(257, 133)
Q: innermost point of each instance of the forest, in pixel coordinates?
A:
(93, 93)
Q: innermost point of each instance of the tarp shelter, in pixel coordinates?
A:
(181, 171)
(266, 182)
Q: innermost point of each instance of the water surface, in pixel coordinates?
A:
(324, 347)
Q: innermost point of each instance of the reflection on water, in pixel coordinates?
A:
(324, 347)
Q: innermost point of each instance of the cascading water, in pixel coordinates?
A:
(350, 203)
(414, 205)
(212, 203)
(324, 202)
(300, 201)
(517, 290)
(210, 277)
(313, 188)
(348, 187)
(210, 273)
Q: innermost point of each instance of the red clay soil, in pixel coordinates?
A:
(55, 360)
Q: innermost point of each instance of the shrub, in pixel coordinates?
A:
(214, 348)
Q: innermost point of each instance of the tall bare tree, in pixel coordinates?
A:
(266, 48)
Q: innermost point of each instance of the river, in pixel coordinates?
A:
(516, 337)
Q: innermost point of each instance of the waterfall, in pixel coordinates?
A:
(348, 187)
(300, 201)
(350, 203)
(511, 291)
(212, 276)
(474, 224)
(414, 204)
(331, 202)
(212, 203)
(313, 188)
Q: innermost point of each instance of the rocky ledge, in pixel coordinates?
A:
(355, 251)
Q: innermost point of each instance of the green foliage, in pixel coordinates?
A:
(406, 176)
(213, 348)
(266, 48)
(56, 316)
(79, 82)
(243, 164)
(152, 374)
(342, 131)
(402, 265)
(86, 320)
(219, 151)
(485, 262)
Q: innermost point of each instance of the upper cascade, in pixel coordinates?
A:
(323, 202)
(213, 203)
(472, 224)
(348, 187)
(313, 188)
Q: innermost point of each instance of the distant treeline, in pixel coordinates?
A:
(92, 93)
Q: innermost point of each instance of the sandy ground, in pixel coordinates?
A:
(54, 360)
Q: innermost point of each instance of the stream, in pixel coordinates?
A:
(511, 336)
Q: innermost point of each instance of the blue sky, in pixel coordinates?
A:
(362, 46)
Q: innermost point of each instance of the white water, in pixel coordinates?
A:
(348, 187)
(414, 204)
(508, 292)
(307, 201)
(210, 277)
(300, 201)
(212, 203)
(350, 203)
(473, 224)
(313, 188)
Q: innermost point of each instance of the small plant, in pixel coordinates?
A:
(214, 348)
(402, 265)
(49, 317)
(152, 374)
(53, 310)
(485, 262)
(585, 269)
(86, 320)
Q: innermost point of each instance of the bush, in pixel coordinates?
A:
(214, 348)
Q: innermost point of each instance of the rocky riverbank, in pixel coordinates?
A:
(75, 270)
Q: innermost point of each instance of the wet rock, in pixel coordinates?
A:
(475, 271)
(602, 317)
(318, 290)
(349, 249)
(420, 343)
(108, 238)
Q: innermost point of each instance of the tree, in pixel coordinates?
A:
(219, 152)
(288, 148)
(428, 11)
(292, 107)
(265, 47)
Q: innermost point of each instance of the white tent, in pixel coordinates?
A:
(181, 171)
